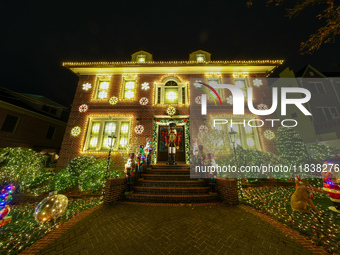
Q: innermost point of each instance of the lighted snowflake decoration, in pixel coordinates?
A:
(139, 129)
(86, 86)
(113, 100)
(198, 100)
(83, 108)
(268, 134)
(203, 128)
(230, 100)
(171, 110)
(75, 131)
(144, 101)
(262, 107)
(145, 86)
(257, 82)
(197, 84)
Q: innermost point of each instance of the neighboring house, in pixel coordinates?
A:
(31, 121)
(131, 100)
(324, 105)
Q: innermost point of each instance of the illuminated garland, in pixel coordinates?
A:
(187, 137)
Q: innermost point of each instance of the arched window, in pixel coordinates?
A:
(171, 91)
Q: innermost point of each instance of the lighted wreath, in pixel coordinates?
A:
(262, 107)
(268, 134)
(83, 108)
(113, 100)
(86, 86)
(257, 82)
(144, 101)
(139, 129)
(75, 131)
(203, 128)
(145, 86)
(198, 100)
(171, 110)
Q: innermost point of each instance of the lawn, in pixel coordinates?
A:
(24, 230)
(321, 229)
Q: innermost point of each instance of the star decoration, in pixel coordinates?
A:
(145, 86)
(230, 100)
(171, 110)
(143, 101)
(268, 134)
(198, 100)
(262, 106)
(86, 86)
(113, 100)
(203, 128)
(257, 82)
(139, 129)
(75, 131)
(83, 108)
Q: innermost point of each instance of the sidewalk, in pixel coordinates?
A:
(140, 229)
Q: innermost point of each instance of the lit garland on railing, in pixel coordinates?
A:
(155, 138)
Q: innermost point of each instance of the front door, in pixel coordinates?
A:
(162, 150)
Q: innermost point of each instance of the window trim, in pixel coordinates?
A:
(102, 121)
(323, 109)
(126, 80)
(102, 78)
(16, 124)
(179, 86)
(314, 83)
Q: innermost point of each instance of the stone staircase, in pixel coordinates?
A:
(170, 184)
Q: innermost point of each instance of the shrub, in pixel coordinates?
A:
(42, 183)
(20, 167)
(63, 181)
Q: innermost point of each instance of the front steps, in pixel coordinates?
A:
(170, 184)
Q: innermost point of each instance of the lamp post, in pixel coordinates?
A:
(232, 137)
(111, 137)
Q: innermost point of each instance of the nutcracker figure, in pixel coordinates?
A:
(148, 151)
(201, 156)
(195, 151)
(172, 140)
(331, 184)
(130, 168)
(141, 160)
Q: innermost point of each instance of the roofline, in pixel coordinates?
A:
(151, 63)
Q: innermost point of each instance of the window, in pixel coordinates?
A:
(171, 92)
(99, 132)
(50, 132)
(129, 89)
(49, 109)
(103, 89)
(245, 136)
(141, 58)
(215, 81)
(200, 57)
(10, 123)
(327, 113)
(242, 84)
(317, 87)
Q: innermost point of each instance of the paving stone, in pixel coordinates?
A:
(139, 229)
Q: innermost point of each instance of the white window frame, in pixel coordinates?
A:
(99, 80)
(126, 80)
(201, 55)
(246, 85)
(102, 121)
(141, 56)
(243, 133)
(179, 86)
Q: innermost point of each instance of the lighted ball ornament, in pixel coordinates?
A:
(51, 207)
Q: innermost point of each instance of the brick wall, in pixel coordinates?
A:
(227, 191)
(114, 190)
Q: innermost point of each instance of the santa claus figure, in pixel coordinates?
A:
(140, 161)
(195, 150)
(148, 151)
(331, 184)
(172, 140)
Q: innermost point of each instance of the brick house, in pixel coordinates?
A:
(132, 100)
(31, 121)
(324, 104)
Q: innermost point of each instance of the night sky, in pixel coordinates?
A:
(38, 37)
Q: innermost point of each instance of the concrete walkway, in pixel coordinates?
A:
(141, 229)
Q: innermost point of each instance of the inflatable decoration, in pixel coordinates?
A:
(5, 198)
(51, 207)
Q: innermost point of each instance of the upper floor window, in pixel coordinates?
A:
(141, 58)
(200, 58)
(327, 113)
(317, 87)
(241, 84)
(171, 91)
(129, 89)
(104, 133)
(10, 123)
(103, 84)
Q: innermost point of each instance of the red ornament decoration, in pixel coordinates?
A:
(158, 120)
(185, 120)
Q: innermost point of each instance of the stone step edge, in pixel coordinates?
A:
(184, 188)
(172, 204)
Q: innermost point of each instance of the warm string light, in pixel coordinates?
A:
(276, 62)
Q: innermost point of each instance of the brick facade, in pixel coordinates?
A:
(74, 146)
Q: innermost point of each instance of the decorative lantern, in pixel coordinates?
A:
(51, 208)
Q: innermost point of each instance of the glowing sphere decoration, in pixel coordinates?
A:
(171, 110)
(75, 131)
(139, 129)
(268, 134)
(113, 100)
(51, 208)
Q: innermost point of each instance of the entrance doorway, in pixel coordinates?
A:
(162, 150)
